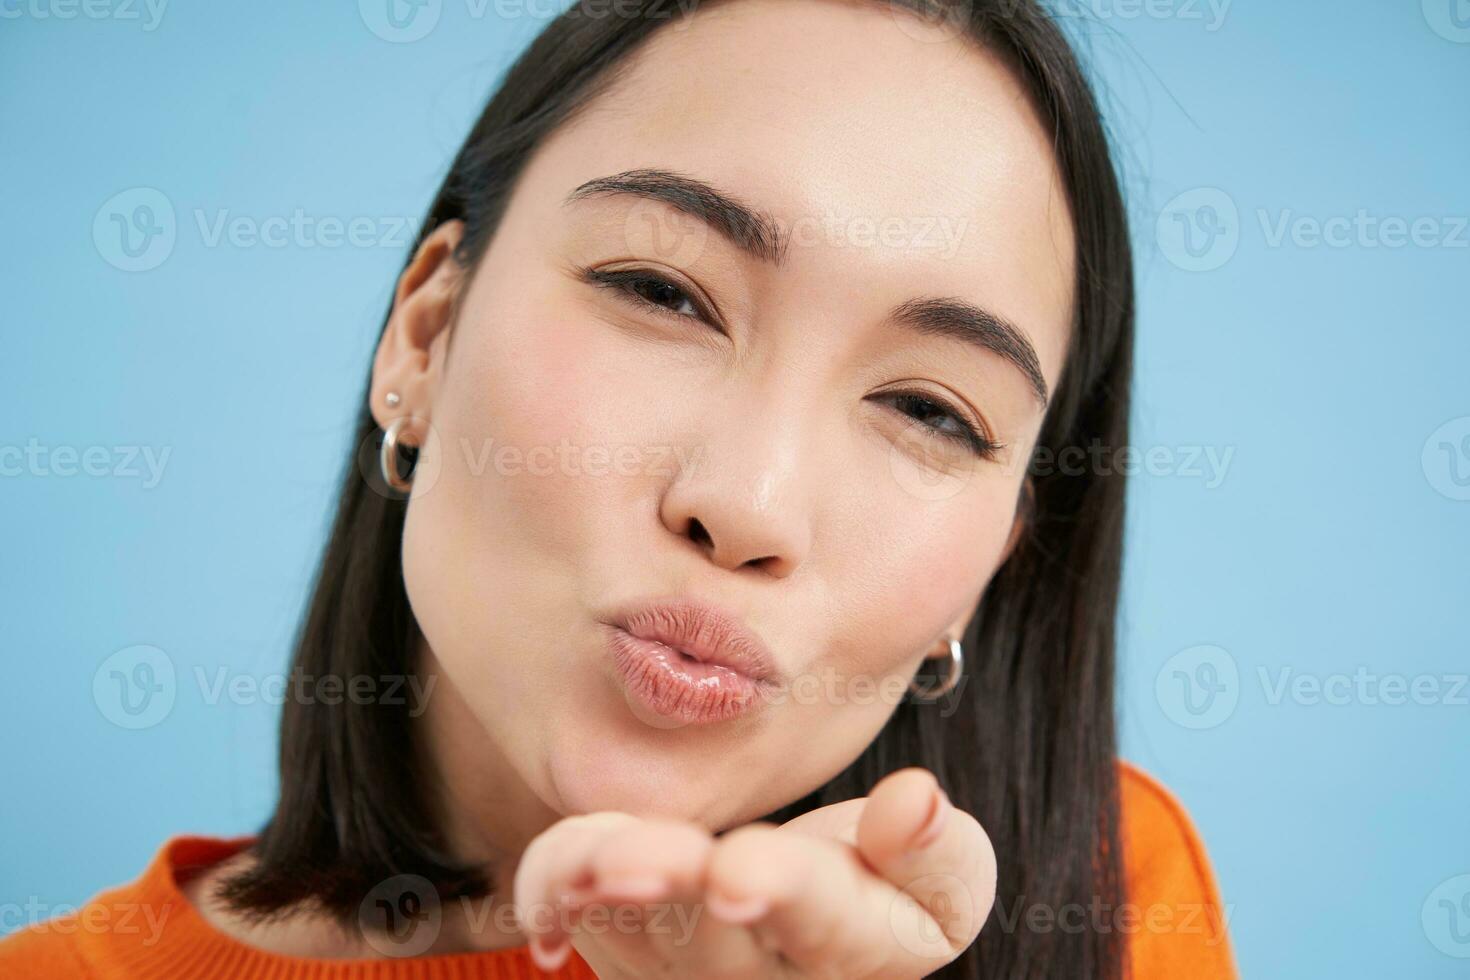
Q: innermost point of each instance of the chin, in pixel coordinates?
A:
(605, 759)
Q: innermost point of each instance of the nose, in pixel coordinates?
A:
(743, 500)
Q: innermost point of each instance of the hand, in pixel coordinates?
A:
(889, 885)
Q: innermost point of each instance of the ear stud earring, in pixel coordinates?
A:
(392, 399)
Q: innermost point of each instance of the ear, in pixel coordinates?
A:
(410, 352)
(1024, 509)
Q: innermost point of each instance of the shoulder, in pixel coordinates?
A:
(44, 949)
(1179, 926)
(118, 925)
(1160, 840)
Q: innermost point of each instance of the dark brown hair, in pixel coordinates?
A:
(1031, 750)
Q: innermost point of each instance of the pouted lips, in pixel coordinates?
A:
(688, 661)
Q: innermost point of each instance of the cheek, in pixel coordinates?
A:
(542, 435)
(933, 560)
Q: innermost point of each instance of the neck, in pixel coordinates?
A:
(487, 815)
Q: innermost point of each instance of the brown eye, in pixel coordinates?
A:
(664, 294)
(943, 422)
(650, 291)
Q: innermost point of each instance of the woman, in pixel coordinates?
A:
(711, 608)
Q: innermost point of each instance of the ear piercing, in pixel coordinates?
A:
(392, 399)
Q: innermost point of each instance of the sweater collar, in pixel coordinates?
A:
(149, 929)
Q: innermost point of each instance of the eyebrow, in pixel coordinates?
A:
(971, 324)
(758, 235)
(751, 231)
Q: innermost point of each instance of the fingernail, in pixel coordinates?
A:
(736, 910)
(551, 956)
(633, 886)
(934, 826)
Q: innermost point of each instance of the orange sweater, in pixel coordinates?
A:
(148, 930)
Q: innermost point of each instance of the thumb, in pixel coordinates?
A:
(912, 836)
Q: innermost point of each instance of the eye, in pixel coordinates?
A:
(943, 421)
(649, 290)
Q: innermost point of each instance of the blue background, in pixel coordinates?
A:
(1331, 544)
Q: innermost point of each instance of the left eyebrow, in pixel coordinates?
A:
(971, 324)
(759, 236)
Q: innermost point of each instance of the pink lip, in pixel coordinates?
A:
(689, 661)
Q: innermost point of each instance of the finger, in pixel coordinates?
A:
(553, 859)
(650, 860)
(658, 867)
(932, 852)
(835, 821)
(807, 897)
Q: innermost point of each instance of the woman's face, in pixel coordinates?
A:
(753, 433)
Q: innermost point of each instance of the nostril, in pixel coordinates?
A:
(698, 534)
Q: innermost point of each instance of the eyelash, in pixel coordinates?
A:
(624, 283)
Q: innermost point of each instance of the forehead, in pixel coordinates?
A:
(836, 117)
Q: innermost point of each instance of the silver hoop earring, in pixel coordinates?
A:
(956, 667)
(388, 456)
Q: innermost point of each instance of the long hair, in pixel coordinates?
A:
(1030, 750)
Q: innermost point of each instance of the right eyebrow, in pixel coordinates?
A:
(752, 232)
